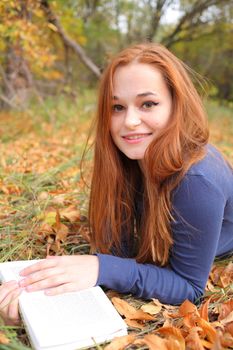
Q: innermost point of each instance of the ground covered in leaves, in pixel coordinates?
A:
(43, 201)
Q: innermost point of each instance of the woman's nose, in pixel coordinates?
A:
(132, 118)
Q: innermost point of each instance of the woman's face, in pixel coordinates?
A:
(141, 108)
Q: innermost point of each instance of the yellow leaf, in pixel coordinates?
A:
(3, 338)
(52, 27)
(151, 308)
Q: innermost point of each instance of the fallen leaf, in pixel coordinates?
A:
(193, 341)
(203, 311)
(151, 308)
(127, 310)
(71, 214)
(225, 309)
(120, 343)
(134, 323)
(173, 333)
(207, 329)
(187, 307)
(226, 276)
(154, 342)
(3, 338)
(227, 319)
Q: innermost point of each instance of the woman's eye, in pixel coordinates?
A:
(149, 104)
(117, 108)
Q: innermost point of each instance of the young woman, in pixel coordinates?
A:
(161, 204)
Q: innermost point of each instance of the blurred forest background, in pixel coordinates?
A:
(55, 48)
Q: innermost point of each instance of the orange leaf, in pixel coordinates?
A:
(193, 340)
(190, 320)
(208, 330)
(60, 229)
(129, 311)
(173, 333)
(226, 277)
(120, 343)
(134, 323)
(187, 307)
(204, 310)
(3, 338)
(225, 309)
(154, 342)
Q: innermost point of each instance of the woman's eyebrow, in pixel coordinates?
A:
(147, 93)
(143, 94)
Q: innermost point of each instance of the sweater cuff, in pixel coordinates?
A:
(115, 273)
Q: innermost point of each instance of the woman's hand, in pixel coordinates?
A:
(60, 274)
(9, 303)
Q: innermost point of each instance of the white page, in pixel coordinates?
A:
(67, 318)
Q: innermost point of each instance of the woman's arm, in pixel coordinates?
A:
(199, 209)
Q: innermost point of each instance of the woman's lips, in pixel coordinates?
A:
(135, 138)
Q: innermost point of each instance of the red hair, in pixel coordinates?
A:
(115, 178)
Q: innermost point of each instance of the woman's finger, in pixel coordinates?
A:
(40, 276)
(47, 283)
(41, 265)
(6, 288)
(13, 308)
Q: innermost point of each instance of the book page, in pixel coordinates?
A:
(67, 318)
(10, 270)
(71, 316)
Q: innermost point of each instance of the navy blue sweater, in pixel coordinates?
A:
(202, 230)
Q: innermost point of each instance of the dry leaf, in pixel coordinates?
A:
(154, 342)
(71, 214)
(207, 329)
(226, 276)
(125, 309)
(193, 341)
(134, 323)
(120, 343)
(151, 308)
(203, 311)
(225, 309)
(227, 319)
(3, 338)
(227, 340)
(60, 229)
(174, 336)
(187, 307)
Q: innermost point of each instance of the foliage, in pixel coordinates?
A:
(53, 47)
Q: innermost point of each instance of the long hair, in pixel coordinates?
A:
(115, 178)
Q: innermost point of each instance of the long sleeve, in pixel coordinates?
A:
(199, 214)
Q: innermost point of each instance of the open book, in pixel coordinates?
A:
(68, 321)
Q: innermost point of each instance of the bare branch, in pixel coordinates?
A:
(67, 40)
(155, 20)
(187, 21)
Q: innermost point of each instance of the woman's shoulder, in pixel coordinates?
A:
(212, 177)
(213, 164)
